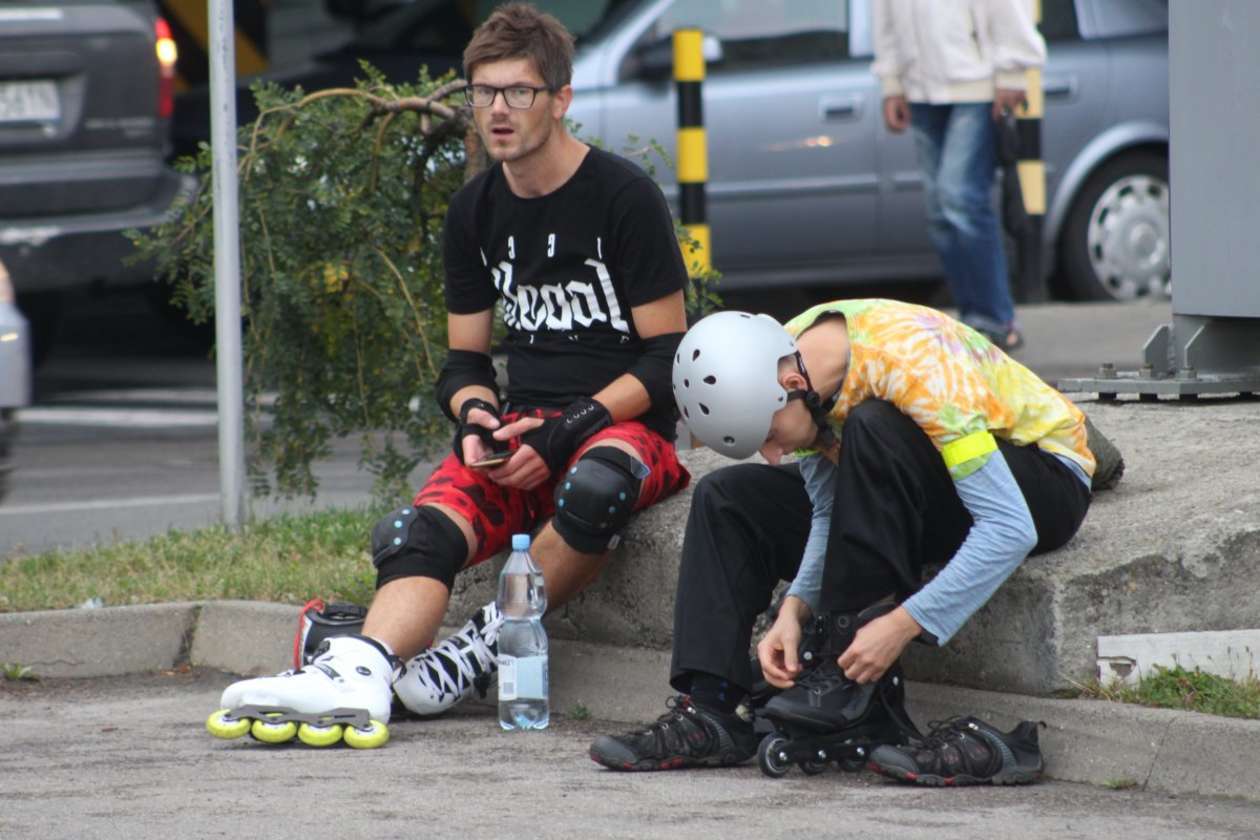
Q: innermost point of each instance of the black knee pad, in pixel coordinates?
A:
(596, 497)
(417, 542)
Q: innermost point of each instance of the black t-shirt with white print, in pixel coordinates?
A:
(568, 266)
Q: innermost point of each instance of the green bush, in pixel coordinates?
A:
(341, 209)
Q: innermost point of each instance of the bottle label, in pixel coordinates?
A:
(522, 678)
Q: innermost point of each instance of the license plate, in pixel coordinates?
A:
(34, 101)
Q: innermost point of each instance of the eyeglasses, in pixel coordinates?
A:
(519, 97)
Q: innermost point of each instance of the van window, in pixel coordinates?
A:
(764, 33)
(1117, 18)
(1058, 20)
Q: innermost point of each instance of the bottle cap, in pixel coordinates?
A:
(520, 542)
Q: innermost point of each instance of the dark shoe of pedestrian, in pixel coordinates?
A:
(965, 751)
(685, 736)
(1108, 462)
(1008, 340)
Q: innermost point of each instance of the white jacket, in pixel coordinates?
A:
(943, 51)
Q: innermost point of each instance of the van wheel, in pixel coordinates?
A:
(1116, 241)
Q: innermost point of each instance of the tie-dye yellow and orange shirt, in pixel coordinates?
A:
(949, 379)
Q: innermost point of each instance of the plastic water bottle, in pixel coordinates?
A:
(522, 601)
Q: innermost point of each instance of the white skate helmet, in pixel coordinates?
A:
(726, 380)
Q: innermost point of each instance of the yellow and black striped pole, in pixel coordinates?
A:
(693, 147)
(1032, 182)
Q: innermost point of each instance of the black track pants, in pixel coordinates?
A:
(897, 515)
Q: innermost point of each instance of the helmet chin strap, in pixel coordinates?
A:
(818, 408)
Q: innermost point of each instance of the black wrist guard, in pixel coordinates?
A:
(463, 428)
(461, 369)
(559, 437)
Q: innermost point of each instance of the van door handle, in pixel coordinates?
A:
(1059, 88)
(840, 107)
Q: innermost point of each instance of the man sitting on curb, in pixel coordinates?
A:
(578, 247)
(924, 446)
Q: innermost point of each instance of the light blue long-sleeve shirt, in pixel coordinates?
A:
(1001, 536)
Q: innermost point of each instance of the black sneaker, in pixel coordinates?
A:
(685, 736)
(965, 751)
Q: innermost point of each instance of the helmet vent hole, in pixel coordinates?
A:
(704, 408)
(686, 383)
(686, 413)
(728, 440)
(695, 354)
(710, 380)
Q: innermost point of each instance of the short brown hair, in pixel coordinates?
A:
(519, 30)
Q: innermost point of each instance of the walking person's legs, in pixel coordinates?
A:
(977, 261)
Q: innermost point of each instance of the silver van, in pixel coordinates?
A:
(808, 189)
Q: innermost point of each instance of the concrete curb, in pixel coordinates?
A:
(1084, 741)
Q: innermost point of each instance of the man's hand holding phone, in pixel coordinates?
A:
(474, 444)
(493, 459)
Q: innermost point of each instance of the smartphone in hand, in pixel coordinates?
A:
(494, 459)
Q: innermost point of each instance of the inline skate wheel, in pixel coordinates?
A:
(374, 735)
(220, 724)
(771, 758)
(319, 736)
(273, 732)
(813, 768)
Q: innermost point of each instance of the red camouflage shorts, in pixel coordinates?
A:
(498, 512)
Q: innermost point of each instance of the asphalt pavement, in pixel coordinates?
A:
(126, 757)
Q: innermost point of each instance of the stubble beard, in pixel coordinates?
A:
(524, 144)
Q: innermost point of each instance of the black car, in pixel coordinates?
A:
(86, 99)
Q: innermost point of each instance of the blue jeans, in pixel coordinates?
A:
(958, 159)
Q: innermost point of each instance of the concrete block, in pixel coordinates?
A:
(1208, 755)
(1131, 657)
(245, 637)
(1163, 552)
(98, 642)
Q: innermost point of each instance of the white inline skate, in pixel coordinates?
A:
(438, 678)
(343, 694)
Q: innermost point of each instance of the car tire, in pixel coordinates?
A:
(1115, 243)
(42, 311)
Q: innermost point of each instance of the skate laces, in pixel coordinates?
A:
(940, 732)
(464, 659)
(683, 728)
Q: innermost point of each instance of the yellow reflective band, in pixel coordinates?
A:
(700, 260)
(688, 55)
(1036, 106)
(968, 448)
(1032, 181)
(693, 156)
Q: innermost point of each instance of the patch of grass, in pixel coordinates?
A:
(1177, 688)
(579, 712)
(1122, 783)
(287, 559)
(16, 671)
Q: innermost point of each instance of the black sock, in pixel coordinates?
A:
(715, 694)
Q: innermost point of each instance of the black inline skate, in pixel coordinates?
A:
(827, 718)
